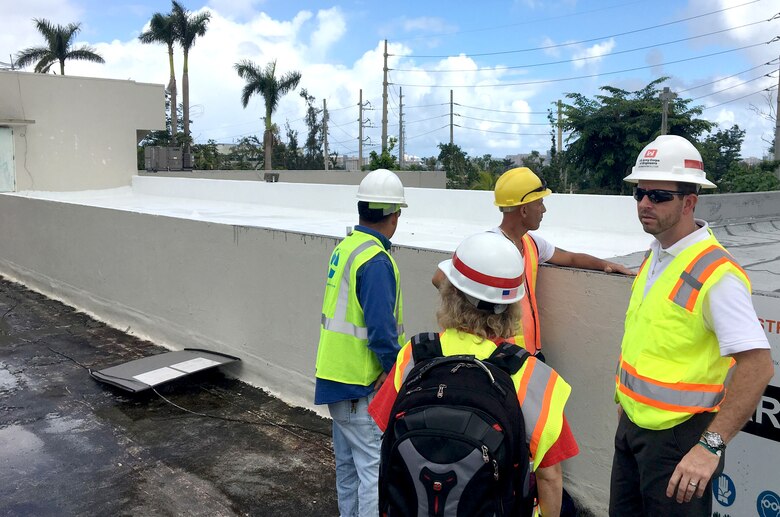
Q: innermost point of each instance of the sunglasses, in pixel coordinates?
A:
(542, 188)
(657, 195)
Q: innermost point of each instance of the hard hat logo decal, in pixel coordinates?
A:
(694, 164)
(650, 153)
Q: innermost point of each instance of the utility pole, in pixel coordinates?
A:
(665, 96)
(325, 154)
(360, 131)
(777, 125)
(564, 173)
(384, 103)
(401, 127)
(451, 119)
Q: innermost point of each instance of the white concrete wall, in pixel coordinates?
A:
(84, 134)
(256, 293)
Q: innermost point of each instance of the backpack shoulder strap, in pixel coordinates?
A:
(425, 346)
(509, 357)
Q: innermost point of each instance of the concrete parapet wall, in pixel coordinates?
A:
(422, 179)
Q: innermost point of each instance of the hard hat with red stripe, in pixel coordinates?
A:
(488, 267)
(670, 158)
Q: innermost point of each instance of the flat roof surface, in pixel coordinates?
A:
(437, 219)
(70, 445)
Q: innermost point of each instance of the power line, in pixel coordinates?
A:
(501, 132)
(586, 58)
(727, 77)
(527, 22)
(733, 86)
(427, 132)
(502, 111)
(740, 98)
(558, 45)
(506, 121)
(544, 81)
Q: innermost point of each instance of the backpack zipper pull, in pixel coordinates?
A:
(440, 393)
(485, 454)
(495, 470)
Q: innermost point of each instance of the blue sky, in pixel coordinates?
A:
(506, 62)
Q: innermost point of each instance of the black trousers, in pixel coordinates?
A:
(643, 464)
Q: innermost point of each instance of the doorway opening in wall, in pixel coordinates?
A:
(7, 170)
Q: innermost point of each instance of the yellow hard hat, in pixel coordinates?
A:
(519, 186)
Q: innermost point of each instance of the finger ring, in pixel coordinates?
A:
(693, 484)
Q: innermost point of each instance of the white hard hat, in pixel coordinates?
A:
(382, 186)
(670, 158)
(488, 267)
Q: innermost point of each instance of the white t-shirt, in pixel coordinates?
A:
(728, 308)
(546, 250)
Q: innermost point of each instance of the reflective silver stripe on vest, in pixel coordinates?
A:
(691, 281)
(533, 402)
(344, 327)
(696, 399)
(339, 321)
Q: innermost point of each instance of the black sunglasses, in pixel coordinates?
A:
(542, 188)
(657, 195)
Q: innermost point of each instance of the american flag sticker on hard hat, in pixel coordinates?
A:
(506, 294)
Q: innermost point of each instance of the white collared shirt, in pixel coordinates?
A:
(728, 307)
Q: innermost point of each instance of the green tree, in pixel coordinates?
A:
(206, 157)
(742, 177)
(608, 131)
(720, 151)
(265, 83)
(385, 159)
(461, 173)
(188, 27)
(246, 154)
(485, 180)
(312, 149)
(59, 47)
(162, 30)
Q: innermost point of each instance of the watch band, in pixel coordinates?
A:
(713, 450)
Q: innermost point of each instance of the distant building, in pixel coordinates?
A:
(517, 159)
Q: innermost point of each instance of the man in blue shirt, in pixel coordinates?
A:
(361, 333)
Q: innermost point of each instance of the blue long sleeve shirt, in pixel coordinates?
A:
(376, 294)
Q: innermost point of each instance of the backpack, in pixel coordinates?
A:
(455, 444)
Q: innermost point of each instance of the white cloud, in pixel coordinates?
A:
(17, 28)
(592, 54)
(332, 27)
(427, 24)
(236, 9)
(555, 48)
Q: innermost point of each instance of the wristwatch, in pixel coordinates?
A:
(713, 442)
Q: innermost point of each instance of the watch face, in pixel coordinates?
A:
(713, 440)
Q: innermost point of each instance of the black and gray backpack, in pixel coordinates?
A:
(455, 443)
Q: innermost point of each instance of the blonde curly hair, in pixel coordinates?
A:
(457, 312)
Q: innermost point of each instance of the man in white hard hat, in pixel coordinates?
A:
(361, 332)
(690, 318)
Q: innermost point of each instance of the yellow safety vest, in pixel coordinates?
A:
(542, 393)
(670, 367)
(343, 354)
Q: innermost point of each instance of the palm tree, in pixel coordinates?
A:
(272, 89)
(59, 41)
(188, 26)
(161, 30)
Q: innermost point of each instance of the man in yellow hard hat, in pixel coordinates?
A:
(690, 323)
(519, 195)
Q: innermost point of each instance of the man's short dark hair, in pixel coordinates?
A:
(371, 215)
(687, 188)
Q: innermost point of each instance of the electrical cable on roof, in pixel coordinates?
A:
(285, 427)
(558, 45)
(575, 60)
